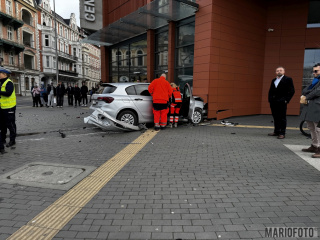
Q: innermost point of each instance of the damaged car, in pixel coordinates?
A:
(128, 106)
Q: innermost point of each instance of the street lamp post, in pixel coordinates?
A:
(56, 40)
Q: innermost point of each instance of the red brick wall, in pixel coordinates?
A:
(229, 56)
(285, 46)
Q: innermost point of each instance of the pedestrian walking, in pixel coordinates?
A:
(51, 90)
(8, 104)
(280, 93)
(77, 95)
(84, 94)
(60, 89)
(311, 111)
(43, 95)
(36, 96)
(175, 106)
(160, 91)
(70, 94)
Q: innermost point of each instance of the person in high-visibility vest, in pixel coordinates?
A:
(8, 104)
(175, 105)
(160, 91)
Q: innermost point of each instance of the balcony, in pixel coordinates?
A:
(67, 56)
(8, 45)
(68, 73)
(8, 19)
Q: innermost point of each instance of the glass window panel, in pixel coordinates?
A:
(185, 56)
(311, 57)
(186, 34)
(161, 42)
(161, 60)
(142, 89)
(123, 50)
(314, 16)
(131, 90)
(114, 78)
(183, 76)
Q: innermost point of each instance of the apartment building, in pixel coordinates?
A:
(28, 47)
(19, 45)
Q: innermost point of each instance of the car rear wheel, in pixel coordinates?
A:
(128, 117)
(197, 116)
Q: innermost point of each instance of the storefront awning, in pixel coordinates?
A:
(151, 16)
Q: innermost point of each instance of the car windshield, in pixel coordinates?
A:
(107, 89)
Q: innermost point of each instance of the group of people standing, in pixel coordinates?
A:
(280, 93)
(8, 104)
(51, 95)
(165, 97)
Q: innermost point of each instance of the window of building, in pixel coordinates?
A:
(27, 39)
(61, 46)
(46, 40)
(313, 15)
(311, 57)
(11, 58)
(67, 48)
(75, 67)
(66, 33)
(184, 52)
(75, 52)
(54, 63)
(10, 33)
(161, 51)
(26, 17)
(8, 7)
(60, 30)
(28, 61)
(128, 60)
(47, 61)
(27, 83)
(49, 22)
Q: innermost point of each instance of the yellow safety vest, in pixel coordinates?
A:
(7, 102)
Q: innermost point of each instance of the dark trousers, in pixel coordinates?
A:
(60, 100)
(70, 99)
(279, 113)
(8, 121)
(36, 101)
(84, 98)
(77, 100)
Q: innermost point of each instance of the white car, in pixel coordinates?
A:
(129, 105)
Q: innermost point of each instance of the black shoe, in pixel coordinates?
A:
(11, 143)
(156, 128)
(2, 151)
(162, 128)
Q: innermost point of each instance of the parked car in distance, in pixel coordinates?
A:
(130, 102)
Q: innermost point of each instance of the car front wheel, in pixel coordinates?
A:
(197, 116)
(128, 117)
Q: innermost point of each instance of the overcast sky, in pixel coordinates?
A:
(65, 7)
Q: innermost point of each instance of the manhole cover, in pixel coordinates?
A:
(47, 175)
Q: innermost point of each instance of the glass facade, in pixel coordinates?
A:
(311, 57)
(313, 15)
(161, 51)
(184, 52)
(129, 61)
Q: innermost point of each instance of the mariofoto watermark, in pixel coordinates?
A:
(291, 232)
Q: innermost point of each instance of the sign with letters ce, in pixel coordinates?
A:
(91, 14)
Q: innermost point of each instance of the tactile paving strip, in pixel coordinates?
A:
(50, 221)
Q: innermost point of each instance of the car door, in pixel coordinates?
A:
(189, 100)
(143, 102)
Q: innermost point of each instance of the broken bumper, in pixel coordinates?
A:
(104, 121)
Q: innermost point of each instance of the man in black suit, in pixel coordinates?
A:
(280, 93)
(70, 95)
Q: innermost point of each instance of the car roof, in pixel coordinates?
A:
(123, 84)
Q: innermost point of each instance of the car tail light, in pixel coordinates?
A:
(106, 99)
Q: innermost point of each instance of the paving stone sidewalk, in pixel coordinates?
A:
(193, 182)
